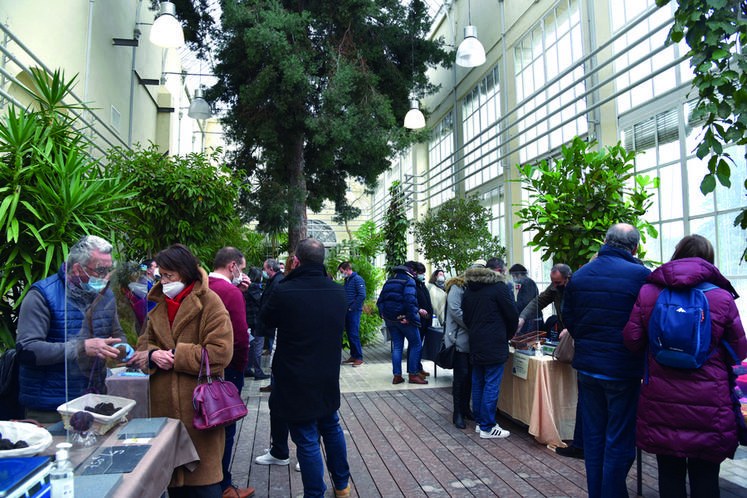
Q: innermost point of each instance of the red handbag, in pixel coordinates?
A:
(217, 403)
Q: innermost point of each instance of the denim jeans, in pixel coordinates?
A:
(255, 355)
(609, 417)
(578, 429)
(237, 379)
(306, 436)
(399, 332)
(352, 326)
(486, 385)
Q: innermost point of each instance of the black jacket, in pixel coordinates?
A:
(261, 330)
(252, 296)
(308, 309)
(424, 302)
(490, 315)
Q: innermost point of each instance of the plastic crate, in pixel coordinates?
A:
(101, 423)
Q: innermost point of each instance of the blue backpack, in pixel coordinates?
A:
(680, 327)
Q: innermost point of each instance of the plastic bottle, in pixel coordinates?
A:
(538, 351)
(61, 475)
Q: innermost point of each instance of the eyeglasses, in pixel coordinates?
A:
(101, 271)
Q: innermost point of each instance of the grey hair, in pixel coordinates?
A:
(623, 236)
(561, 268)
(273, 265)
(81, 251)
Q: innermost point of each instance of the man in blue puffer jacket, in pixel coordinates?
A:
(68, 319)
(398, 306)
(355, 289)
(597, 305)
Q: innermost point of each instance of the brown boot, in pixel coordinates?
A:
(398, 379)
(417, 379)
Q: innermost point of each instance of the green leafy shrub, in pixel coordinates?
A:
(52, 192)
(574, 199)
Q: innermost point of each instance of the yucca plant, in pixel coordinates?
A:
(51, 191)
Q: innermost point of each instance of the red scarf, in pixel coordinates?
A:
(172, 305)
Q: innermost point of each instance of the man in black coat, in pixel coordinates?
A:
(309, 310)
(491, 318)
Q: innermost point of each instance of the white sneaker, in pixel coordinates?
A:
(268, 459)
(495, 432)
(477, 428)
(298, 467)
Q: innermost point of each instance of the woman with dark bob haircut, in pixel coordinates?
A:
(188, 317)
(685, 415)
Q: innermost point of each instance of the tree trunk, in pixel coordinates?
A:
(297, 187)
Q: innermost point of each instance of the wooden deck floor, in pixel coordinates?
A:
(402, 443)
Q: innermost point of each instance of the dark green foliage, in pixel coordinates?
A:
(395, 229)
(456, 234)
(710, 28)
(183, 199)
(575, 199)
(51, 192)
(317, 92)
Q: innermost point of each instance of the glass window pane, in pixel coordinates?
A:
(731, 244)
(671, 192)
(699, 203)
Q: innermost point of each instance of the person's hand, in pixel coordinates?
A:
(404, 321)
(102, 347)
(245, 282)
(163, 359)
(422, 312)
(521, 325)
(138, 360)
(562, 333)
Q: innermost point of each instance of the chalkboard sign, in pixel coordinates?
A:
(114, 460)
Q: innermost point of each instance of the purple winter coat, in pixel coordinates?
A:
(688, 413)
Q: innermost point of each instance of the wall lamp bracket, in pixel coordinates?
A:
(165, 109)
(125, 42)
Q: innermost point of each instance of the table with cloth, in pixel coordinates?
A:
(545, 400)
(170, 448)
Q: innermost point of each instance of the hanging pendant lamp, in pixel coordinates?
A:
(166, 30)
(414, 119)
(199, 108)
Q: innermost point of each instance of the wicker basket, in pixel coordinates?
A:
(101, 423)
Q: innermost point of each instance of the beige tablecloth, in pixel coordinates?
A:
(545, 400)
(171, 448)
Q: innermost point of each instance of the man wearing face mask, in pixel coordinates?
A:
(68, 322)
(560, 274)
(229, 282)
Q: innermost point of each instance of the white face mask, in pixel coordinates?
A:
(236, 280)
(172, 289)
(440, 278)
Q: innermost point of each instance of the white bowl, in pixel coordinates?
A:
(38, 438)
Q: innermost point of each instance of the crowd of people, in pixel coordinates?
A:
(68, 328)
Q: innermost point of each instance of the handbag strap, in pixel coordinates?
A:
(205, 361)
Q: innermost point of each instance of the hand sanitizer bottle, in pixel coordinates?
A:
(61, 475)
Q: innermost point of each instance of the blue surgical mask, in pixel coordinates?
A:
(421, 277)
(265, 275)
(95, 284)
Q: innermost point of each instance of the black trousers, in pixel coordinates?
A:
(461, 387)
(209, 491)
(673, 470)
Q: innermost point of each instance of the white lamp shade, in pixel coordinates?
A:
(166, 30)
(470, 52)
(199, 108)
(414, 119)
